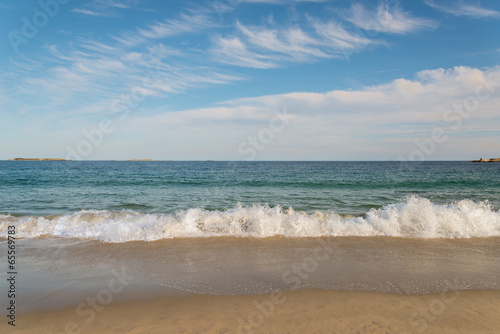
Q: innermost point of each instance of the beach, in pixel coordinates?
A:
(270, 285)
(303, 311)
(250, 166)
(231, 247)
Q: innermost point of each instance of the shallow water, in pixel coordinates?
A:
(60, 272)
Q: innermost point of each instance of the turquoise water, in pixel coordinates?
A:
(168, 190)
(52, 188)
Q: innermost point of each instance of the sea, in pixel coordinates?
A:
(224, 227)
(120, 201)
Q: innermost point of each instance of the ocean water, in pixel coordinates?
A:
(242, 227)
(117, 201)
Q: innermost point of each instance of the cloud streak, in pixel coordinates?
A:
(267, 47)
(105, 8)
(460, 8)
(187, 23)
(387, 19)
(89, 77)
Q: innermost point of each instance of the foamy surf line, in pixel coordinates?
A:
(414, 218)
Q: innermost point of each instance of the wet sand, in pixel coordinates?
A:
(254, 266)
(224, 285)
(302, 311)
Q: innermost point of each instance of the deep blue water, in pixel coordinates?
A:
(55, 188)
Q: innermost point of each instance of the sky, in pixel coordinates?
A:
(250, 80)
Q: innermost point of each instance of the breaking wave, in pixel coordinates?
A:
(414, 218)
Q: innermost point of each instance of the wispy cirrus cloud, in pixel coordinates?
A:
(233, 51)
(104, 7)
(338, 40)
(282, 2)
(272, 45)
(461, 8)
(267, 47)
(86, 75)
(87, 12)
(90, 76)
(103, 69)
(188, 22)
(387, 19)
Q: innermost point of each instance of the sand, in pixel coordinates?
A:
(301, 311)
(222, 285)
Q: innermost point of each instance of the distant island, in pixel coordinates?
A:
(487, 160)
(37, 159)
(52, 159)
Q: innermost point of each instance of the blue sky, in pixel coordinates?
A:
(250, 79)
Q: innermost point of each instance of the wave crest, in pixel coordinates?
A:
(414, 218)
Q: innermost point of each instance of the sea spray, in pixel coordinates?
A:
(414, 218)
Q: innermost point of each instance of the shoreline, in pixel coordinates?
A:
(226, 284)
(61, 272)
(299, 311)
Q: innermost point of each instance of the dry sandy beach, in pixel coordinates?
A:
(302, 311)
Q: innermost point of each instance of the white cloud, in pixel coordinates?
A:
(283, 2)
(461, 8)
(337, 39)
(77, 81)
(25, 65)
(388, 19)
(104, 7)
(87, 12)
(265, 47)
(234, 52)
(291, 43)
(341, 124)
(188, 22)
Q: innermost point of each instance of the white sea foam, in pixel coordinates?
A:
(414, 218)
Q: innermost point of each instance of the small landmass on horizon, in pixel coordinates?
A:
(487, 160)
(37, 159)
